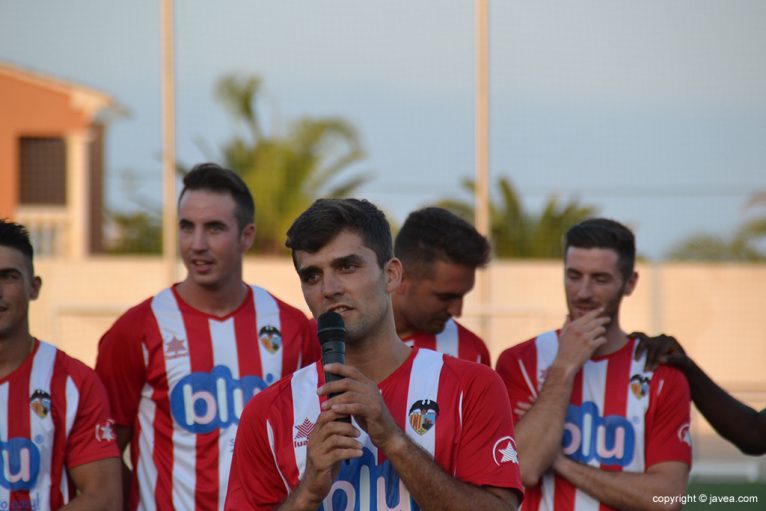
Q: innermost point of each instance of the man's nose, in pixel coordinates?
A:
(331, 285)
(455, 307)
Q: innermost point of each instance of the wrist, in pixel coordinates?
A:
(395, 444)
(305, 499)
(561, 373)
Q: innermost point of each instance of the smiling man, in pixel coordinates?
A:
(596, 430)
(57, 447)
(180, 366)
(440, 253)
(428, 431)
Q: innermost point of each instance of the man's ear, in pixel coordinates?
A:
(405, 284)
(37, 284)
(247, 238)
(630, 285)
(394, 272)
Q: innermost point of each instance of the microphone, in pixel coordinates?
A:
(332, 337)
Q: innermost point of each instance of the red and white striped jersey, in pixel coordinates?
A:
(455, 410)
(620, 417)
(181, 378)
(455, 340)
(53, 416)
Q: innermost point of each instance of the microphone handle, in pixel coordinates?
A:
(334, 352)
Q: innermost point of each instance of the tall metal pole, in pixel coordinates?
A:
(169, 222)
(481, 194)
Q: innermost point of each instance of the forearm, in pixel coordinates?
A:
(732, 419)
(539, 431)
(625, 490)
(432, 488)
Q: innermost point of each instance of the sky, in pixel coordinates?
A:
(654, 112)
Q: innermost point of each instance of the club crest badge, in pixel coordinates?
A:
(175, 348)
(40, 403)
(270, 338)
(639, 385)
(423, 415)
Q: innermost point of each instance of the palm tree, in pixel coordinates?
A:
(517, 233)
(741, 246)
(286, 172)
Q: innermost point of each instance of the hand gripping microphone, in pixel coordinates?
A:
(332, 337)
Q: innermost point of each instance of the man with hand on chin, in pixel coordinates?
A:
(595, 429)
(428, 431)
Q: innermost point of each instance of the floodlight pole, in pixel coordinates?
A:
(169, 248)
(481, 193)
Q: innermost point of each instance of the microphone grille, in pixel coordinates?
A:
(330, 326)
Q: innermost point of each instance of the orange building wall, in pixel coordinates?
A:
(28, 109)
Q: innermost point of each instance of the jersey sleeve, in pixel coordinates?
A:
(487, 453)
(668, 418)
(92, 437)
(517, 371)
(120, 363)
(255, 482)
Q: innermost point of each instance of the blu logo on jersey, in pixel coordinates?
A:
(588, 436)
(204, 402)
(19, 464)
(362, 484)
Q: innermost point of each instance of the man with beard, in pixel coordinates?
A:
(596, 430)
(428, 431)
(440, 253)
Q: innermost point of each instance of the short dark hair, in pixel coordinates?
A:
(432, 234)
(605, 233)
(214, 178)
(16, 236)
(326, 218)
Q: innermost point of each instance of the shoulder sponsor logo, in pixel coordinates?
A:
(639, 385)
(684, 434)
(19, 464)
(271, 338)
(105, 431)
(542, 374)
(304, 430)
(203, 402)
(40, 403)
(175, 348)
(588, 436)
(423, 415)
(504, 451)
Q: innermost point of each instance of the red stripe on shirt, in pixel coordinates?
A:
(206, 458)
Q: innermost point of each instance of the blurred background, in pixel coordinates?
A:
(651, 113)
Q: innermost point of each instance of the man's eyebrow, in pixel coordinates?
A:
(354, 259)
(307, 270)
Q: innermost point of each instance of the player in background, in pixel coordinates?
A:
(429, 431)
(440, 253)
(595, 430)
(56, 434)
(735, 421)
(180, 366)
